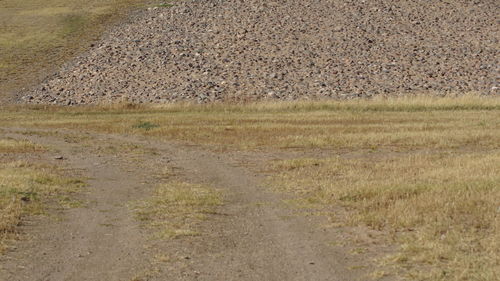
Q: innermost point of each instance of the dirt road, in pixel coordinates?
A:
(253, 236)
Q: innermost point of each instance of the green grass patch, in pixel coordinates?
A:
(146, 125)
(165, 5)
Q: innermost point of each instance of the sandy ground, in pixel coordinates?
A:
(253, 236)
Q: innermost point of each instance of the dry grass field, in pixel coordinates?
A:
(418, 175)
(423, 170)
(392, 124)
(441, 207)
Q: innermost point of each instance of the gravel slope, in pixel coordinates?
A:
(215, 50)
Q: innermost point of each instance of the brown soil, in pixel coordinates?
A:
(207, 51)
(253, 236)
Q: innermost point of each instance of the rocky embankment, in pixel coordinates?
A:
(218, 50)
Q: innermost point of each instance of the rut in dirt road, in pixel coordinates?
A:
(256, 239)
(252, 237)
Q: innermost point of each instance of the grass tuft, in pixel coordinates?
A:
(18, 146)
(146, 125)
(177, 207)
(165, 5)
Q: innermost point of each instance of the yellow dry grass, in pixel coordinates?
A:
(177, 207)
(17, 146)
(24, 188)
(442, 208)
(396, 124)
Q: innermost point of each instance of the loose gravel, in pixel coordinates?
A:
(234, 50)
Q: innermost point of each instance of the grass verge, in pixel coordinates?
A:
(176, 208)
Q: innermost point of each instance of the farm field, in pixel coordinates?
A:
(391, 189)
